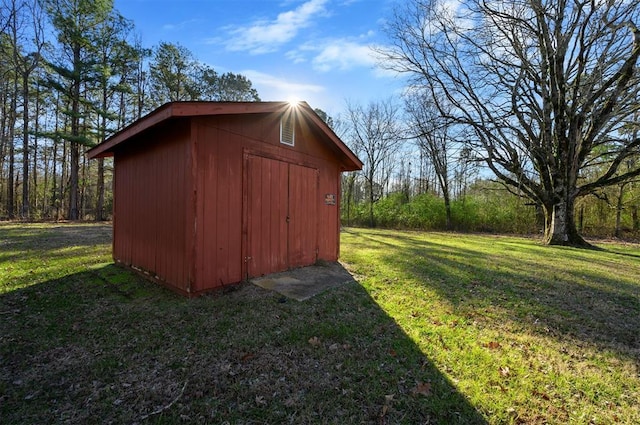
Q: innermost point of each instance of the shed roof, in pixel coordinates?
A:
(173, 110)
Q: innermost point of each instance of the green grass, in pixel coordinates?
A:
(440, 328)
(529, 334)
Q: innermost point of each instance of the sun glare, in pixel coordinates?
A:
(293, 100)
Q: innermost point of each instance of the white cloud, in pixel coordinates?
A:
(265, 36)
(180, 25)
(271, 87)
(296, 56)
(343, 55)
(339, 54)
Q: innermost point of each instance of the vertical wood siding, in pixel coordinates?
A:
(219, 209)
(195, 196)
(304, 204)
(150, 216)
(329, 215)
(241, 160)
(266, 217)
(281, 215)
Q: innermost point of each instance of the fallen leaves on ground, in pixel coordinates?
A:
(422, 388)
(493, 345)
(315, 341)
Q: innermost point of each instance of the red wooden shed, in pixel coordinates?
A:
(211, 193)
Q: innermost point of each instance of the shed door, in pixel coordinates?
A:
(303, 215)
(281, 215)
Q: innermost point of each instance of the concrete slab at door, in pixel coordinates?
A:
(267, 186)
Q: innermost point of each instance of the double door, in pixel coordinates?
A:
(281, 215)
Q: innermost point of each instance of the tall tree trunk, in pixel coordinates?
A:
(3, 141)
(83, 188)
(100, 189)
(11, 124)
(346, 197)
(581, 219)
(560, 226)
(442, 176)
(103, 135)
(74, 189)
(55, 200)
(74, 159)
(10, 183)
(54, 179)
(45, 183)
(25, 147)
(372, 219)
(447, 210)
(34, 170)
(63, 179)
(619, 207)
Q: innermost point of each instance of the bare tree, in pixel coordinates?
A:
(434, 136)
(545, 86)
(349, 180)
(375, 132)
(621, 194)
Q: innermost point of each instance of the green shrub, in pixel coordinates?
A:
(494, 211)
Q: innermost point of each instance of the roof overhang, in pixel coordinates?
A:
(349, 160)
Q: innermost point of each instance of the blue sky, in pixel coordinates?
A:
(313, 50)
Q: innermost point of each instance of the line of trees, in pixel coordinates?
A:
(543, 93)
(419, 172)
(540, 95)
(72, 72)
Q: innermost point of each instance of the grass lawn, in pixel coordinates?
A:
(441, 328)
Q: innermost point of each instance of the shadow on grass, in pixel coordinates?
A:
(104, 345)
(567, 299)
(623, 254)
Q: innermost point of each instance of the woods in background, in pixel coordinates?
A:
(517, 116)
(542, 93)
(73, 72)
